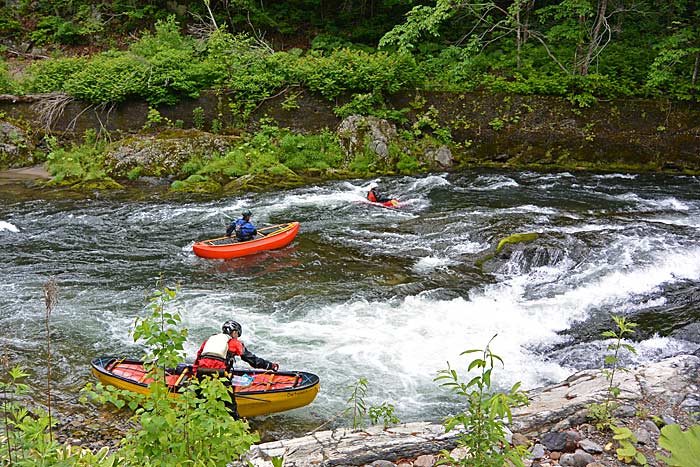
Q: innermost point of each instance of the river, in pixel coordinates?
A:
(391, 295)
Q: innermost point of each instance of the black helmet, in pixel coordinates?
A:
(230, 326)
(247, 213)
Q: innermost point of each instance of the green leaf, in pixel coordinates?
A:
(684, 446)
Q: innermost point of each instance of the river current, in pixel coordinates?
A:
(390, 295)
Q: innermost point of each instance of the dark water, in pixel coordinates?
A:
(391, 295)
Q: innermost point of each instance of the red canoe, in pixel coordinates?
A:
(269, 238)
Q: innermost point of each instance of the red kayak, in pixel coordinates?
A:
(269, 238)
(392, 203)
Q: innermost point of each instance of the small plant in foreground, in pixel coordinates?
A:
(602, 413)
(627, 452)
(357, 398)
(483, 420)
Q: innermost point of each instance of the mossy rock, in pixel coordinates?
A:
(98, 184)
(195, 186)
(510, 240)
(516, 238)
(16, 147)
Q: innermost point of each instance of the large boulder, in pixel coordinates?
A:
(165, 153)
(358, 134)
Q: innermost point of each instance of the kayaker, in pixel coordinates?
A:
(375, 196)
(218, 354)
(244, 229)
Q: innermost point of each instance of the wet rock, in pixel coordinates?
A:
(548, 406)
(164, 153)
(580, 458)
(590, 446)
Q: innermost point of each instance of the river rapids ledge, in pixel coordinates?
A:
(552, 424)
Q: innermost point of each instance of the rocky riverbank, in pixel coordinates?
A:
(554, 427)
(437, 131)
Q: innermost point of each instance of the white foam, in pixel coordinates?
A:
(431, 263)
(495, 182)
(9, 227)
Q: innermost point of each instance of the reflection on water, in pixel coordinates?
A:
(391, 295)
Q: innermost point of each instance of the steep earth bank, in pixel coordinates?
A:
(540, 132)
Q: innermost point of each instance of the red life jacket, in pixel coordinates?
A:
(371, 196)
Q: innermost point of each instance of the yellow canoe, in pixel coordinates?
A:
(265, 391)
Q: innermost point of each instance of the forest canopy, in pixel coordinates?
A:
(162, 51)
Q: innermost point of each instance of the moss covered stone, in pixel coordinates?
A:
(516, 238)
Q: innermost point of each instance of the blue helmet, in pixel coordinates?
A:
(230, 326)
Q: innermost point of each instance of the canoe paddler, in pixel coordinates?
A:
(245, 230)
(218, 353)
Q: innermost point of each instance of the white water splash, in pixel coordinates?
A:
(8, 227)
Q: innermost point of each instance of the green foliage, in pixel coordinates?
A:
(52, 75)
(78, 163)
(172, 67)
(383, 412)
(602, 413)
(407, 164)
(7, 85)
(319, 151)
(360, 411)
(193, 428)
(345, 70)
(56, 29)
(159, 331)
(26, 437)
(684, 446)
(110, 77)
(154, 119)
(421, 21)
(358, 391)
(627, 452)
(198, 118)
(483, 418)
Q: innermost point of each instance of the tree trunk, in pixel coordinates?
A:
(596, 36)
(695, 69)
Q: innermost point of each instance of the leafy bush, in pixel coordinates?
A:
(56, 29)
(172, 67)
(52, 74)
(7, 85)
(483, 419)
(79, 162)
(299, 152)
(110, 77)
(348, 70)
